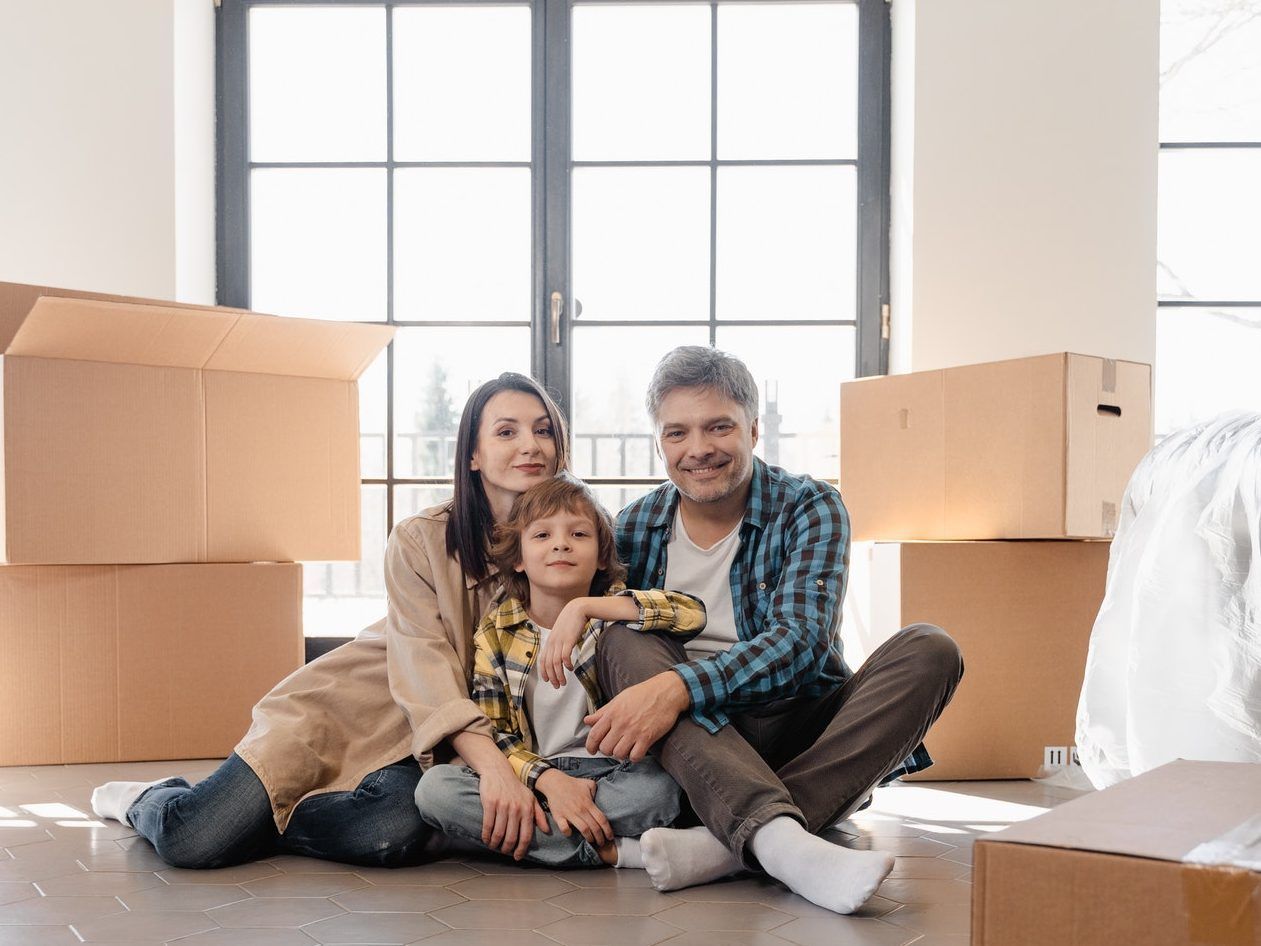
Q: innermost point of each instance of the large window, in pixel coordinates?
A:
(1209, 235)
(564, 188)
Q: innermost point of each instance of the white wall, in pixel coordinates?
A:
(1024, 179)
(107, 147)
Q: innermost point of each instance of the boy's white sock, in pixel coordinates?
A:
(112, 799)
(684, 857)
(834, 877)
(628, 853)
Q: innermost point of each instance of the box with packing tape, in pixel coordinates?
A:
(1033, 448)
(146, 432)
(1021, 613)
(114, 663)
(1169, 858)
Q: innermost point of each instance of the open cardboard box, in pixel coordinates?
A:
(1033, 448)
(1169, 858)
(113, 663)
(146, 432)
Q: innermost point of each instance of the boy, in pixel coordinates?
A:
(534, 678)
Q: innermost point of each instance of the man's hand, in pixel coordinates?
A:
(628, 725)
(510, 813)
(572, 803)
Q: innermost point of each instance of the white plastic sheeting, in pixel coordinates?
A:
(1174, 668)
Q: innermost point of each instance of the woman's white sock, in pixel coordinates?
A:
(684, 857)
(834, 877)
(112, 799)
(628, 854)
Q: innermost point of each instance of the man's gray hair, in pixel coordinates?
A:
(699, 366)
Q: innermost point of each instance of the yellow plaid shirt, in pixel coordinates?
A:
(507, 643)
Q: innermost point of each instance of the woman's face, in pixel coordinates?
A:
(515, 445)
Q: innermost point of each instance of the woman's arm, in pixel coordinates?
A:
(427, 679)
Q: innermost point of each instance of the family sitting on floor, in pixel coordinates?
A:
(554, 687)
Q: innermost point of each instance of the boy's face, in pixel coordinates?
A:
(560, 553)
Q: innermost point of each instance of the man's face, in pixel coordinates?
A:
(707, 442)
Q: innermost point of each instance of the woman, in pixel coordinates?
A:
(329, 767)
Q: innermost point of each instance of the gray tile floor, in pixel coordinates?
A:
(67, 878)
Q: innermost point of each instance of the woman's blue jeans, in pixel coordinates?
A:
(227, 819)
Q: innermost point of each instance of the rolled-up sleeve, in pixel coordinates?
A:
(426, 677)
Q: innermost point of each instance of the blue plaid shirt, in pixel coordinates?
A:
(787, 584)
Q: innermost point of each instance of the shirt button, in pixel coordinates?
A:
(819, 582)
(761, 585)
(660, 571)
(529, 653)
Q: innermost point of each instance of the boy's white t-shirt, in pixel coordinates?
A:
(706, 574)
(556, 715)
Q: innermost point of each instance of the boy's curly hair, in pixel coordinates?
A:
(562, 492)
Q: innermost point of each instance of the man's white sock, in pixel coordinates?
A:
(112, 799)
(834, 877)
(628, 854)
(684, 857)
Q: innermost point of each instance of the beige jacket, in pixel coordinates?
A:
(398, 689)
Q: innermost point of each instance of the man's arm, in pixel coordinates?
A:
(787, 654)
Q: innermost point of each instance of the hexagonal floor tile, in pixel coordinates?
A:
(242, 873)
(828, 931)
(726, 938)
(281, 912)
(487, 938)
(248, 938)
(11, 891)
(438, 875)
(304, 885)
(610, 931)
(732, 915)
(523, 887)
(136, 859)
(628, 901)
(398, 899)
(38, 936)
(143, 927)
(605, 877)
(388, 928)
(926, 891)
(937, 917)
(58, 911)
(101, 883)
(182, 897)
(499, 915)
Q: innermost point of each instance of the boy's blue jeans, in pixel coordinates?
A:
(226, 819)
(634, 797)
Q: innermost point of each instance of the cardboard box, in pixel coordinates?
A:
(121, 663)
(1021, 612)
(1036, 448)
(1165, 859)
(137, 432)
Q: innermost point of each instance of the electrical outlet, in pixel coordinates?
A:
(1073, 758)
(1055, 757)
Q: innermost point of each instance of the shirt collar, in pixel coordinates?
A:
(510, 614)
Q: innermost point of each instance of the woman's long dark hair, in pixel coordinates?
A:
(471, 525)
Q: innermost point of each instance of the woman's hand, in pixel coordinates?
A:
(572, 803)
(510, 812)
(557, 654)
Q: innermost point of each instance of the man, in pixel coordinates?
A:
(771, 736)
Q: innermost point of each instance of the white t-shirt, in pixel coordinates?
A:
(556, 715)
(705, 573)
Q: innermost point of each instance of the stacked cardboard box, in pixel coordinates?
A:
(151, 453)
(962, 486)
